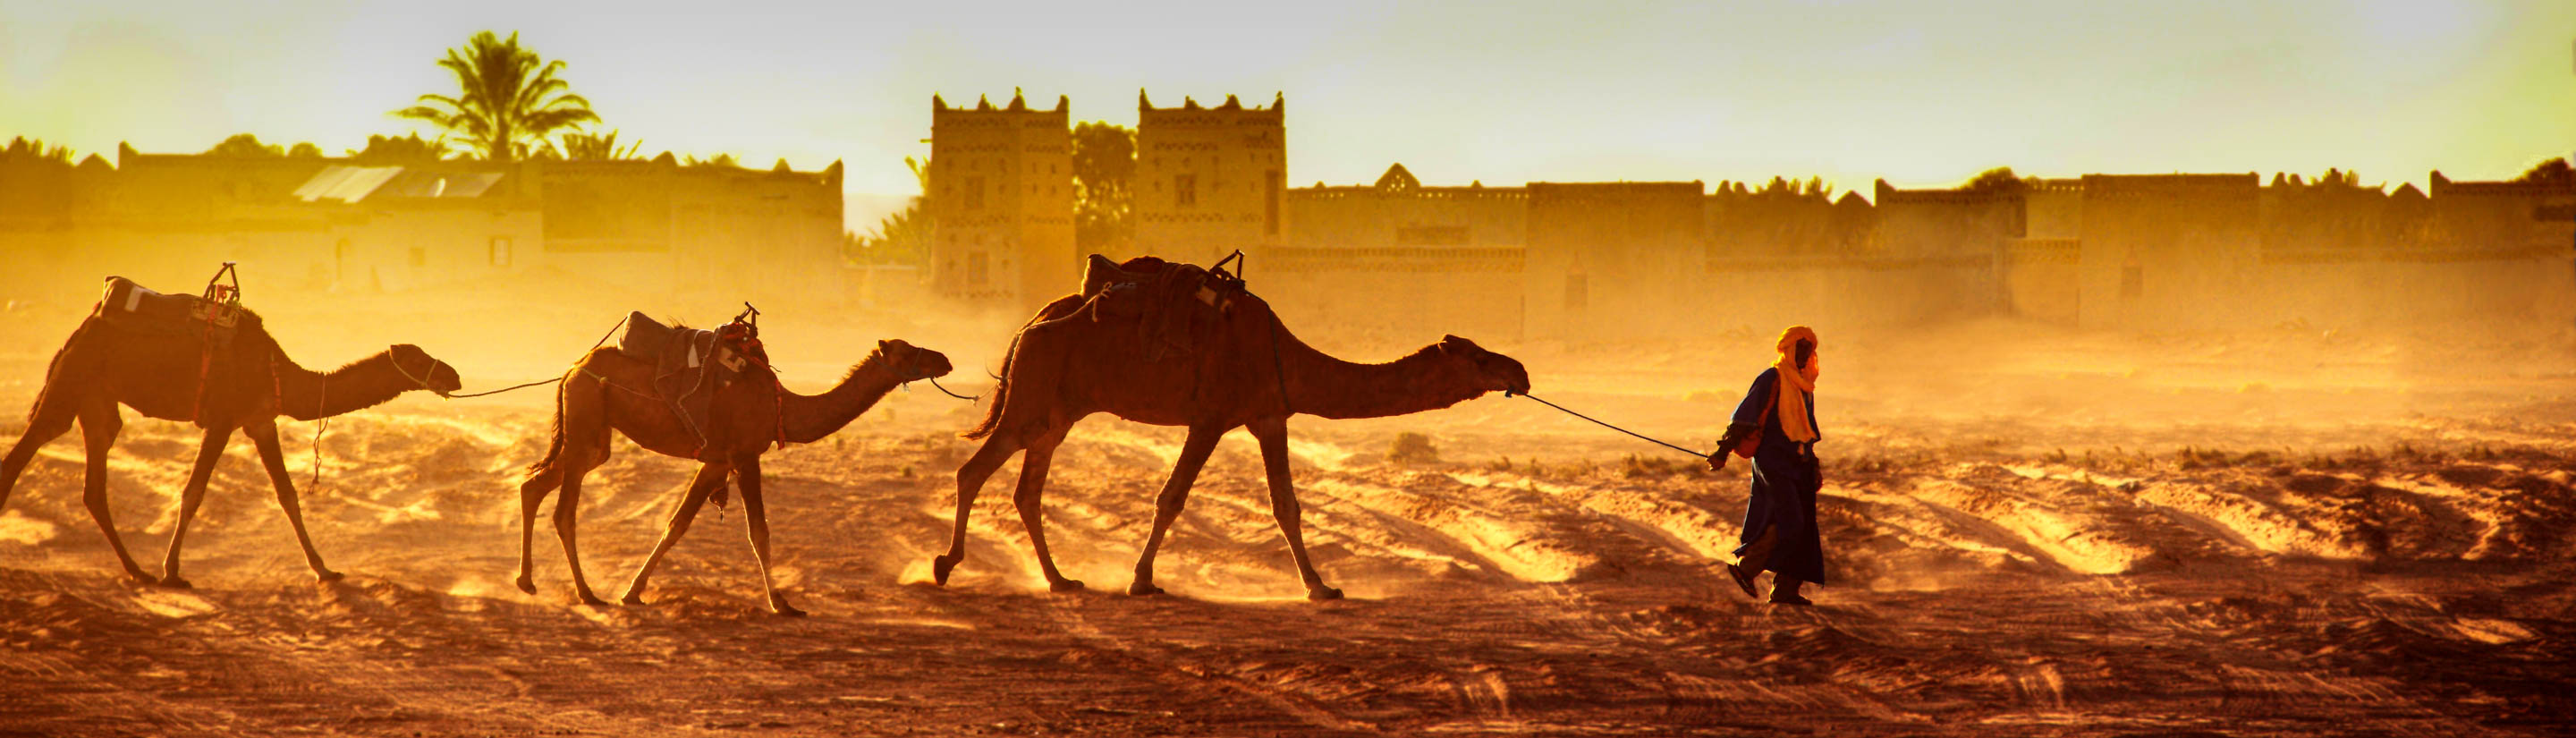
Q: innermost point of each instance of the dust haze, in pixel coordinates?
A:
(2226, 453)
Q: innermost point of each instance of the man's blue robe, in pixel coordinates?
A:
(1785, 482)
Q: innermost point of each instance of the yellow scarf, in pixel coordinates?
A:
(1795, 382)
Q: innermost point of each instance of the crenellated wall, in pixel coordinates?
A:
(1002, 194)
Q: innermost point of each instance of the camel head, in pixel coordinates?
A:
(424, 370)
(911, 362)
(1485, 370)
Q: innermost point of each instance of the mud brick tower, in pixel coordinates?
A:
(1210, 180)
(1001, 191)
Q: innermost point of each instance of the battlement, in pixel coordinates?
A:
(2191, 186)
(1232, 112)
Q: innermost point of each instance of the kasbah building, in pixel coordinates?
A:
(1624, 260)
(1546, 260)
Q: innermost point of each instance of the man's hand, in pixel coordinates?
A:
(1717, 461)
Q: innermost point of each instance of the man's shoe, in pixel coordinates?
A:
(1743, 579)
(1781, 599)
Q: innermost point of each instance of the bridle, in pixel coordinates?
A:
(434, 364)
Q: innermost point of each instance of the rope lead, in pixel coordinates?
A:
(1597, 421)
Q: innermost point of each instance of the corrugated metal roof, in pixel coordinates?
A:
(345, 183)
(350, 184)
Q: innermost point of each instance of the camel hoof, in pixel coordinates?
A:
(142, 578)
(174, 583)
(527, 585)
(328, 576)
(1321, 593)
(631, 599)
(778, 605)
(593, 600)
(1065, 585)
(939, 566)
(1143, 589)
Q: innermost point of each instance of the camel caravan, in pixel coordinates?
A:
(1146, 340)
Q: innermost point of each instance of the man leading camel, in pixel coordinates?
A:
(1776, 427)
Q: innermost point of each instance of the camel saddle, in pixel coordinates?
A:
(137, 308)
(689, 365)
(1175, 306)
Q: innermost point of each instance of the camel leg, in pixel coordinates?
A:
(710, 477)
(1273, 435)
(582, 445)
(756, 518)
(532, 495)
(99, 426)
(1028, 498)
(208, 452)
(970, 479)
(51, 420)
(1167, 507)
(263, 435)
(567, 508)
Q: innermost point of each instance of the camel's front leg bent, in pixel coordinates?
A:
(709, 478)
(1273, 435)
(1167, 506)
(756, 518)
(263, 435)
(99, 426)
(208, 452)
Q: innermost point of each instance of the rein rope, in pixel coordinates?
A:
(1597, 421)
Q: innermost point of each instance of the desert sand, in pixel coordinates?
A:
(2031, 531)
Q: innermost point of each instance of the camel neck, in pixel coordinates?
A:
(811, 417)
(305, 394)
(1328, 387)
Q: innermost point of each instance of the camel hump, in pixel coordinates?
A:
(137, 308)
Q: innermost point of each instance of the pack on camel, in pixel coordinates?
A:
(208, 361)
(619, 389)
(1171, 344)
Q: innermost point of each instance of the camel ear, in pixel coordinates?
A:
(883, 345)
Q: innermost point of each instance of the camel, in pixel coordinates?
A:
(1069, 362)
(246, 386)
(605, 390)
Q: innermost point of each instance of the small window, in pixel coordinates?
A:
(974, 193)
(978, 269)
(419, 257)
(1185, 190)
(500, 251)
(2133, 282)
(1578, 292)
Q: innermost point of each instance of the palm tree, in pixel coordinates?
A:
(598, 147)
(509, 97)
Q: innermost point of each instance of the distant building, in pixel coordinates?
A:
(1210, 180)
(324, 224)
(1002, 196)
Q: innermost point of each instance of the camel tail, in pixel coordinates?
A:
(1001, 393)
(555, 447)
(1062, 307)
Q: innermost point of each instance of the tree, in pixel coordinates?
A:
(904, 237)
(509, 97)
(2551, 171)
(1104, 178)
(598, 147)
(305, 150)
(244, 144)
(35, 148)
(410, 149)
(1999, 180)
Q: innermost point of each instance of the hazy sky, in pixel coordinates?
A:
(1921, 93)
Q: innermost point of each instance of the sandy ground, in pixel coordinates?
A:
(2030, 531)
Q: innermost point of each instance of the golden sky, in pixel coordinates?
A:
(1920, 93)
